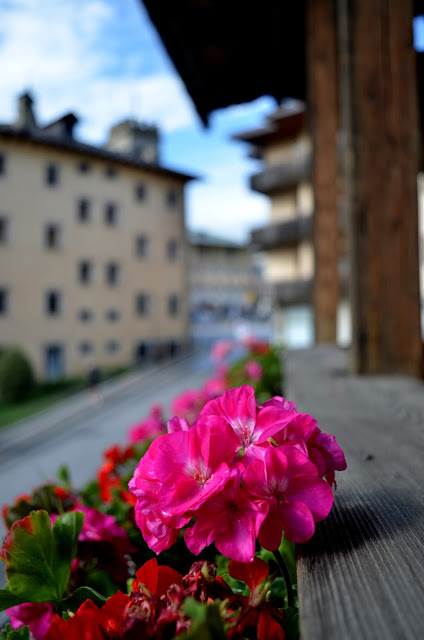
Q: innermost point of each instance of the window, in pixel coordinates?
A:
(2, 164)
(112, 346)
(4, 300)
(110, 172)
(85, 347)
(172, 249)
(83, 210)
(142, 304)
(112, 315)
(83, 167)
(112, 273)
(85, 272)
(4, 230)
(52, 174)
(52, 236)
(141, 246)
(140, 192)
(111, 213)
(171, 198)
(53, 303)
(173, 304)
(85, 315)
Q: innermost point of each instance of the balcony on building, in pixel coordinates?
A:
(281, 234)
(283, 176)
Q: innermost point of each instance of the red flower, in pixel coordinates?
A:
(156, 578)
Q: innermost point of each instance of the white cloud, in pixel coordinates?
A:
(229, 210)
(60, 50)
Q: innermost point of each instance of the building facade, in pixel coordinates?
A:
(284, 146)
(225, 281)
(92, 247)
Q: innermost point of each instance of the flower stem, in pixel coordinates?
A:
(285, 573)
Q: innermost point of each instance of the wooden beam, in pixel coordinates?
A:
(379, 120)
(323, 113)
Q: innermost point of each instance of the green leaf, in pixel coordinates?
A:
(207, 623)
(39, 557)
(82, 594)
(8, 599)
(10, 634)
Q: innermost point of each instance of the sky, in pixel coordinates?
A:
(104, 61)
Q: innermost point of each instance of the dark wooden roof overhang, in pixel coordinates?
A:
(232, 51)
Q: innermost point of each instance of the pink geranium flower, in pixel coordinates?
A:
(149, 428)
(252, 426)
(37, 615)
(231, 519)
(321, 448)
(221, 349)
(193, 465)
(188, 405)
(159, 532)
(292, 493)
(253, 370)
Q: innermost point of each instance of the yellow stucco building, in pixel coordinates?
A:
(92, 246)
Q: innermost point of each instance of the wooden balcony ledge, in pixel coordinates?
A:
(362, 574)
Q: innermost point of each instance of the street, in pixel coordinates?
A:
(79, 441)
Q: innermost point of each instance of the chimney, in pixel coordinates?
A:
(139, 140)
(26, 118)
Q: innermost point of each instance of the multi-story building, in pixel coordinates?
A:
(284, 146)
(92, 246)
(224, 278)
(225, 284)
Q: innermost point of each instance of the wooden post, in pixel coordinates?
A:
(379, 119)
(322, 102)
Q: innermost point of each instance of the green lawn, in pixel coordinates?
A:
(47, 394)
(42, 398)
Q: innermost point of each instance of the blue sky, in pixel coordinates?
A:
(103, 60)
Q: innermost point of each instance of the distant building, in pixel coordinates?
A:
(284, 146)
(224, 278)
(92, 246)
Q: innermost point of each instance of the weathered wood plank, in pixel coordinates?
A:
(362, 573)
(323, 116)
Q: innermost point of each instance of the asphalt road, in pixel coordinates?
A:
(79, 435)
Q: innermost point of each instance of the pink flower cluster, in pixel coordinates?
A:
(243, 472)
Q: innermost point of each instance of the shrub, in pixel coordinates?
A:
(16, 376)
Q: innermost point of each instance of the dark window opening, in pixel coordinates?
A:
(83, 210)
(112, 273)
(85, 272)
(171, 198)
(4, 300)
(111, 213)
(52, 236)
(2, 164)
(85, 315)
(141, 352)
(4, 230)
(112, 346)
(85, 347)
(141, 246)
(83, 167)
(110, 172)
(173, 305)
(172, 249)
(140, 192)
(142, 304)
(112, 315)
(53, 303)
(52, 174)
